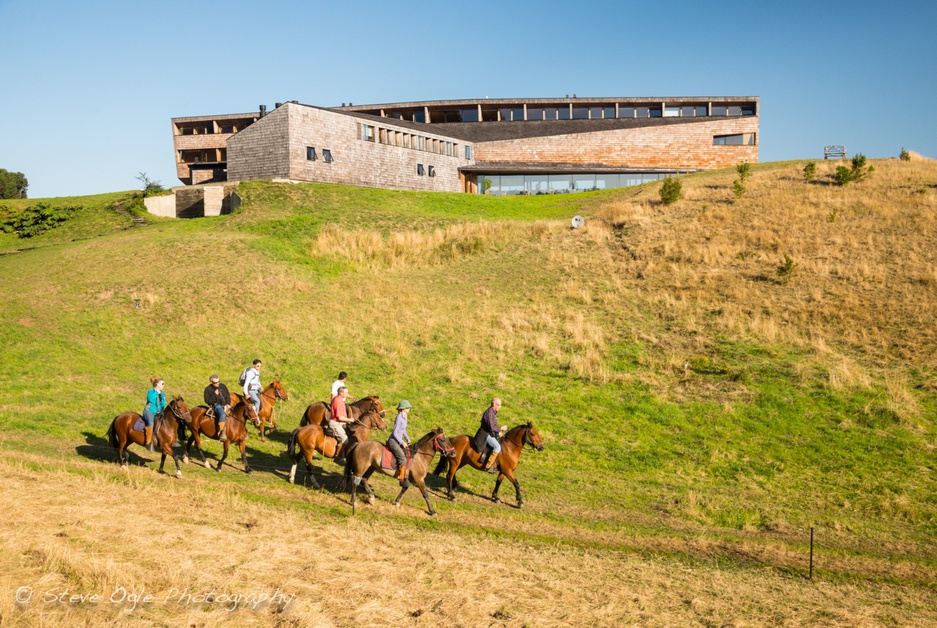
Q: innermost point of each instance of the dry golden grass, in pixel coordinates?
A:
(100, 531)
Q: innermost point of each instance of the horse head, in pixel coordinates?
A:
(532, 437)
(251, 412)
(180, 410)
(376, 406)
(278, 391)
(442, 444)
(375, 420)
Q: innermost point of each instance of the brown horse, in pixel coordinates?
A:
(511, 448)
(312, 438)
(268, 399)
(235, 430)
(365, 459)
(168, 423)
(319, 413)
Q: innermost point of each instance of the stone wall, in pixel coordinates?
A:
(677, 146)
(161, 205)
(261, 151)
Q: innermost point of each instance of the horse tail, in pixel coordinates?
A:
(305, 420)
(112, 434)
(291, 446)
(442, 466)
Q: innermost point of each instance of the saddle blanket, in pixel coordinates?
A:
(389, 462)
(139, 425)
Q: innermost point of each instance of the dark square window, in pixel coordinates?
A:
(327, 155)
(311, 153)
(431, 171)
(419, 170)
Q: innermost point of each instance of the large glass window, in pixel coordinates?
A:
(719, 110)
(580, 113)
(512, 183)
(490, 115)
(655, 112)
(606, 181)
(735, 110)
(671, 112)
(517, 114)
(535, 113)
(470, 115)
(641, 112)
(419, 116)
(537, 183)
(560, 183)
(549, 113)
(582, 182)
(562, 113)
(505, 114)
(595, 113)
(748, 110)
(626, 112)
(608, 112)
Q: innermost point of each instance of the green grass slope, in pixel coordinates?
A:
(693, 399)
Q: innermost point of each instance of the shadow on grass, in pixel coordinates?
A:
(98, 448)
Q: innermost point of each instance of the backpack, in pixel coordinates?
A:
(243, 376)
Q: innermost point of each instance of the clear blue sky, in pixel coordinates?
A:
(90, 87)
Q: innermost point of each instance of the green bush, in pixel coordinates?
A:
(671, 191)
(744, 169)
(738, 188)
(904, 155)
(35, 220)
(810, 171)
(842, 176)
(150, 187)
(786, 270)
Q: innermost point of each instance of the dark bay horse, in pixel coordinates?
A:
(320, 412)
(235, 430)
(167, 425)
(268, 399)
(511, 447)
(365, 459)
(312, 438)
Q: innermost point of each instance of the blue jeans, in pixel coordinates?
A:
(148, 418)
(255, 397)
(219, 412)
(493, 444)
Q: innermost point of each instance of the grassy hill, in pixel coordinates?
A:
(712, 379)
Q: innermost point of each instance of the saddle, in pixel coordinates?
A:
(389, 460)
(478, 441)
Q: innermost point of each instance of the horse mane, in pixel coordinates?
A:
(432, 434)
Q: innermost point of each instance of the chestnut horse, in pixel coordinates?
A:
(511, 448)
(168, 423)
(268, 399)
(235, 430)
(312, 438)
(319, 413)
(365, 459)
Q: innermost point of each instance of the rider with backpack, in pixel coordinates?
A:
(250, 380)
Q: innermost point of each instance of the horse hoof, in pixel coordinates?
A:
(371, 501)
(207, 466)
(520, 504)
(291, 481)
(185, 460)
(250, 472)
(396, 504)
(496, 500)
(218, 468)
(178, 474)
(432, 513)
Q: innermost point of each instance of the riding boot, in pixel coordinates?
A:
(402, 472)
(221, 433)
(148, 438)
(340, 455)
(492, 464)
(483, 458)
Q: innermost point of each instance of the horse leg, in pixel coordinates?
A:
(494, 495)
(450, 478)
(263, 422)
(223, 455)
(176, 460)
(243, 446)
(310, 476)
(421, 484)
(509, 474)
(162, 461)
(403, 489)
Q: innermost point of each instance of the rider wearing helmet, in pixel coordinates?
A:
(400, 439)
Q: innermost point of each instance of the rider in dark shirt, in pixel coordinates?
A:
(218, 399)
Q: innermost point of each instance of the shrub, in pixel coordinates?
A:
(904, 155)
(842, 176)
(860, 170)
(150, 187)
(810, 171)
(35, 220)
(738, 188)
(744, 169)
(12, 184)
(786, 270)
(671, 191)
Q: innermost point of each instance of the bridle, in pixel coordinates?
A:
(182, 417)
(525, 440)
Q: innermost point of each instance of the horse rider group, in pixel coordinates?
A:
(218, 400)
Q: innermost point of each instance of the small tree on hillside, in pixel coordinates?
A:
(904, 155)
(858, 172)
(738, 189)
(810, 171)
(150, 187)
(12, 184)
(744, 169)
(671, 191)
